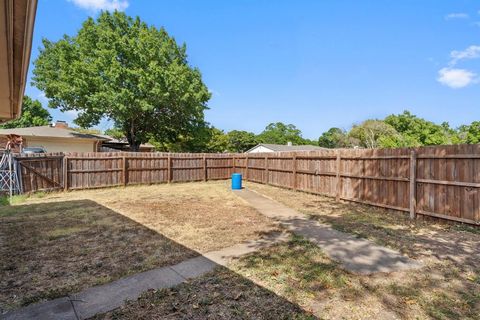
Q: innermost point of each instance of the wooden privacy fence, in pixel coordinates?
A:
(73, 171)
(442, 182)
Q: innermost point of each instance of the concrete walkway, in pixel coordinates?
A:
(356, 255)
(110, 296)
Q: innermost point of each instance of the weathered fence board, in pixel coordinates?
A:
(441, 181)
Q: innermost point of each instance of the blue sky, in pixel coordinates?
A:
(316, 64)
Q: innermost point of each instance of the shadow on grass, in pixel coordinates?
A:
(300, 271)
(56, 249)
(447, 287)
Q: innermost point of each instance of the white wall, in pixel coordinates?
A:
(61, 145)
(259, 149)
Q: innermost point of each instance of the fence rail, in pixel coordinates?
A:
(442, 182)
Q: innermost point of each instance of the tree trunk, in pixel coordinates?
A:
(132, 139)
(135, 146)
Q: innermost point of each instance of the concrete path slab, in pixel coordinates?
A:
(58, 309)
(223, 257)
(110, 296)
(355, 255)
(107, 297)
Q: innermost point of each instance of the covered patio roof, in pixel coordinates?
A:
(17, 18)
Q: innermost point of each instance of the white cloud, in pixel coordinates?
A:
(456, 78)
(471, 52)
(97, 5)
(452, 16)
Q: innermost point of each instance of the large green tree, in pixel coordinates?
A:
(33, 114)
(373, 134)
(470, 133)
(334, 138)
(240, 141)
(416, 131)
(280, 133)
(120, 68)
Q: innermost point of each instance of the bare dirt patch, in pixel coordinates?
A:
(447, 287)
(61, 243)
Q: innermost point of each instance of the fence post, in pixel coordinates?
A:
(205, 168)
(413, 184)
(266, 169)
(124, 171)
(65, 173)
(338, 177)
(169, 168)
(246, 168)
(233, 164)
(295, 172)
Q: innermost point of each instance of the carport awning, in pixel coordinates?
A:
(17, 19)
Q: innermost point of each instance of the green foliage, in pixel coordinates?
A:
(87, 131)
(218, 141)
(470, 133)
(122, 69)
(419, 132)
(402, 130)
(280, 133)
(373, 134)
(115, 133)
(33, 114)
(196, 141)
(240, 141)
(334, 138)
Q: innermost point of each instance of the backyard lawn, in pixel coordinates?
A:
(65, 242)
(60, 243)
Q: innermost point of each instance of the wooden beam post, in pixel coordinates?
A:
(266, 169)
(65, 173)
(338, 177)
(294, 172)
(124, 171)
(169, 168)
(413, 184)
(205, 173)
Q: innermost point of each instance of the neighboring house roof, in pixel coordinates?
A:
(112, 140)
(50, 132)
(284, 147)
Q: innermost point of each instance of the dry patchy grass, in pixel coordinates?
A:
(447, 287)
(55, 244)
(202, 216)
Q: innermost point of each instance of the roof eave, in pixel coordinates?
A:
(17, 18)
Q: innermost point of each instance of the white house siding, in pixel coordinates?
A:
(61, 145)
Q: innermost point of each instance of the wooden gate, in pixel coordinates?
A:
(41, 173)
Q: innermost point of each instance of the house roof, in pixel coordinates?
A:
(51, 132)
(112, 140)
(284, 147)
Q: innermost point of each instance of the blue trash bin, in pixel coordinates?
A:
(237, 181)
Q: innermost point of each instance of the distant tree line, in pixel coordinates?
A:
(402, 130)
(211, 139)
